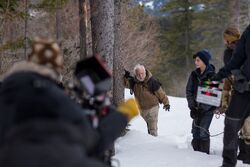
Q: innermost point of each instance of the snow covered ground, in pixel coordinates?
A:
(172, 147)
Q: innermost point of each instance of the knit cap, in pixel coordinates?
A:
(204, 55)
(47, 52)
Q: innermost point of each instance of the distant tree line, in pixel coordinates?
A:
(189, 27)
(123, 33)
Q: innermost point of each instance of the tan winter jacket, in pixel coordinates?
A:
(246, 130)
(226, 95)
(145, 98)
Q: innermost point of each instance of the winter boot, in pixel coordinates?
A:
(230, 141)
(204, 146)
(227, 165)
(242, 153)
(195, 144)
(247, 155)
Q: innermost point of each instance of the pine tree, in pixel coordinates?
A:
(176, 40)
(8, 5)
(190, 27)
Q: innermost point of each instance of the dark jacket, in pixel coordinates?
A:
(228, 52)
(241, 57)
(110, 128)
(43, 143)
(41, 126)
(227, 87)
(196, 79)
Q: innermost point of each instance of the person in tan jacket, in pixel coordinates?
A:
(149, 94)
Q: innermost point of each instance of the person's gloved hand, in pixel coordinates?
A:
(223, 109)
(129, 108)
(216, 77)
(166, 107)
(194, 113)
(127, 74)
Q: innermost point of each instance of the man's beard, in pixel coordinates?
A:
(141, 80)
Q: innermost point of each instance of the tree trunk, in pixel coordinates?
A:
(118, 88)
(234, 12)
(248, 10)
(59, 35)
(82, 29)
(187, 36)
(89, 49)
(26, 30)
(102, 25)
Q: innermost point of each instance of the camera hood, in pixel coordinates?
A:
(93, 75)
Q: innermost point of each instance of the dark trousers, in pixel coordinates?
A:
(238, 110)
(244, 152)
(201, 124)
(200, 131)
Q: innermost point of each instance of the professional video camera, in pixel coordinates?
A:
(93, 76)
(90, 87)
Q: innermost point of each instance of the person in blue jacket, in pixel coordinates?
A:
(201, 114)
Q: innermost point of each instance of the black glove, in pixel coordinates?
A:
(166, 107)
(127, 74)
(194, 113)
(216, 77)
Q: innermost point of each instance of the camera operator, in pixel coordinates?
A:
(39, 125)
(239, 107)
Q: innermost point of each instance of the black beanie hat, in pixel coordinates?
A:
(204, 55)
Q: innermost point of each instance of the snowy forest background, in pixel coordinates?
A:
(161, 34)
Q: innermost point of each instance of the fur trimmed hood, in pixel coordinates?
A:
(25, 66)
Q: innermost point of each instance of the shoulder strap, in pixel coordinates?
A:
(131, 84)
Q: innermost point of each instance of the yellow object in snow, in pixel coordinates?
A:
(129, 108)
